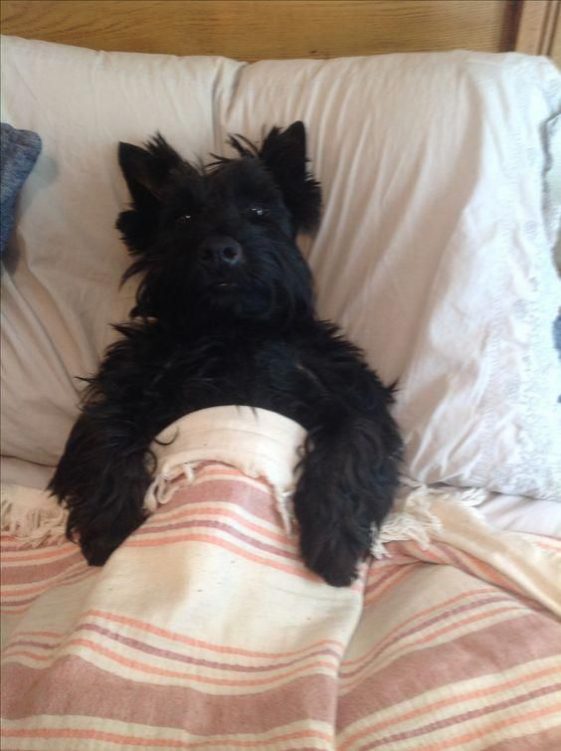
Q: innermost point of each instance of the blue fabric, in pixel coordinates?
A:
(557, 339)
(557, 333)
(19, 150)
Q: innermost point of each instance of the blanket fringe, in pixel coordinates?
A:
(164, 486)
(34, 517)
(31, 515)
(413, 518)
(469, 496)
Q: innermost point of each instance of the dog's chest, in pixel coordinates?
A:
(240, 370)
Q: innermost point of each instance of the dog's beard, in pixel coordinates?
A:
(241, 300)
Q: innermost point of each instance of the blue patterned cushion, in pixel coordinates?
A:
(19, 150)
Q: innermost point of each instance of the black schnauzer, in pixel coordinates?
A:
(225, 315)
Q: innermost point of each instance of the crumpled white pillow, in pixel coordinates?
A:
(434, 251)
(60, 284)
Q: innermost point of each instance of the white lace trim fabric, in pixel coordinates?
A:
(533, 382)
(478, 398)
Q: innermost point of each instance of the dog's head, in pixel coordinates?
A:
(220, 240)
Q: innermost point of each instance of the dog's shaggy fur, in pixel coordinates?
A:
(225, 315)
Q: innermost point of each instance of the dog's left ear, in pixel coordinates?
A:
(284, 153)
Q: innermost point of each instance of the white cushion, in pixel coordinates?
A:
(434, 252)
(60, 286)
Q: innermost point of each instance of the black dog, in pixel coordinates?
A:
(225, 315)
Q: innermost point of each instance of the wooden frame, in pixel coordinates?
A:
(256, 29)
(539, 29)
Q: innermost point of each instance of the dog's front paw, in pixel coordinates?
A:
(335, 556)
(97, 549)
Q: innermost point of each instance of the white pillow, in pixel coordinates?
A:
(434, 251)
(60, 285)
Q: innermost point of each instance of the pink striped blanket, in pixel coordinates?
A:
(205, 631)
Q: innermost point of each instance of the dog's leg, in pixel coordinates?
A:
(103, 474)
(346, 487)
(101, 479)
(349, 474)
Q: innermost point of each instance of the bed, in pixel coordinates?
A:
(434, 128)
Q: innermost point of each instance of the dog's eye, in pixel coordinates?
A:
(258, 211)
(183, 219)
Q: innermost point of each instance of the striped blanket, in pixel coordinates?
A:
(205, 631)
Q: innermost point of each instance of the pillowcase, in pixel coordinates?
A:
(435, 249)
(19, 150)
(434, 252)
(62, 292)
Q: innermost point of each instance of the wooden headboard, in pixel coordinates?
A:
(258, 29)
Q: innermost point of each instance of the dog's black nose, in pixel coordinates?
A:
(220, 250)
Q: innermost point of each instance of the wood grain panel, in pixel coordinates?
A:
(539, 30)
(555, 48)
(257, 29)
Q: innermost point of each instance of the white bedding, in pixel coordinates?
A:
(434, 253)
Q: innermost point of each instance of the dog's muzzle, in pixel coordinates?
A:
(220, 252)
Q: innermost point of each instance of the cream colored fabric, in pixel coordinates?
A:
(205, 630)
(449, 518)
(256, 441)
(268, 446)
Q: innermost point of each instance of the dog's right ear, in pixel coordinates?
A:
(149, 171)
